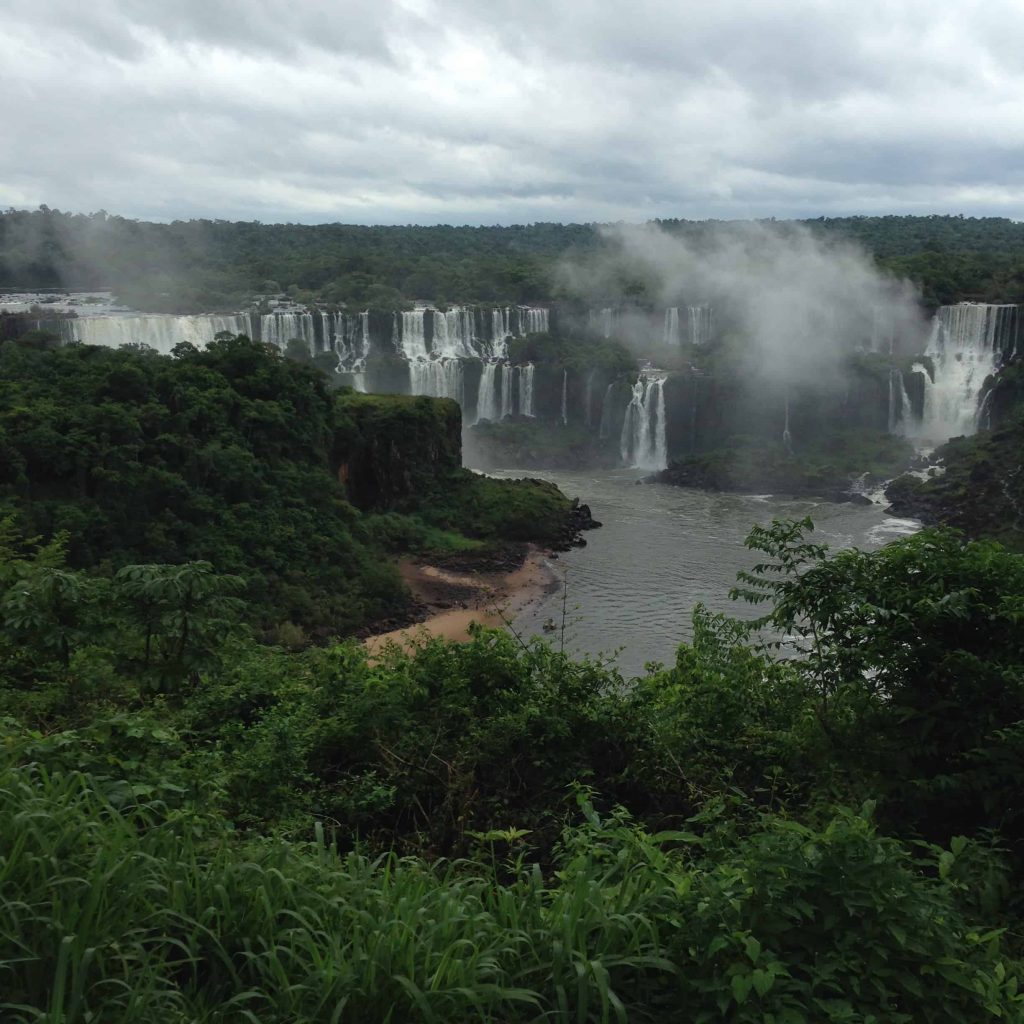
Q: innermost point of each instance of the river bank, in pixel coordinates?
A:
(454, 592)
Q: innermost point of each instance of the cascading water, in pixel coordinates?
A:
(699, 322)
(899, 403)
(500, 332)
(565, 398)
(506, 391)
(526, 390)
(161, 333)
(968, 342)
(533, 320)
(787, 437)
(438, 378)
(412, 338)
(280, 328)
(643, 440)
(454, 334)
(487, 398)
(348, 338)
(670, 330)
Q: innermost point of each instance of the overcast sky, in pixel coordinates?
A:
(499, 112)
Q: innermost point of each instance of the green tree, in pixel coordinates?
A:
(186, 613)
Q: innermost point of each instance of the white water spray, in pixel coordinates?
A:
(968, 342)
(643, 440)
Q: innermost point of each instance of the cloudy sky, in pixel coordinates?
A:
(498, 112)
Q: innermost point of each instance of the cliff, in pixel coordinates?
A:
(393, 449)
(977, 487)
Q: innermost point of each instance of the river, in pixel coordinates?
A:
(662, 550)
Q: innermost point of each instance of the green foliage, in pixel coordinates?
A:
(527, 442)
(184, 266)
(816, 823)
(238, 458)
(159, 911)
(185, 613)
(577, 352)
(918, 662)
(980, 489)
(825, 464)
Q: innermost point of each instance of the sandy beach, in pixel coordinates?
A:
(455, 599)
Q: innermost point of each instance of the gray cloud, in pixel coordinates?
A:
(457, 111)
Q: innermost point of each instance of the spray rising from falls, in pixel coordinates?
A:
(643, 439)
(968, 342)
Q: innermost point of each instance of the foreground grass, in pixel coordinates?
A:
(123, 903)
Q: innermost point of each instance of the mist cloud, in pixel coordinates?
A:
(456, 111)
(797, 302)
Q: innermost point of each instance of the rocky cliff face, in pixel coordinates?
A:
(390, 449)
(977, 487)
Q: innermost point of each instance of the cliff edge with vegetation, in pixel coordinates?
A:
(235, 456)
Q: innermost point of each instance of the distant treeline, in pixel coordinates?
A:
(207, 265)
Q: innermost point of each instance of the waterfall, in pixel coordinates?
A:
(787, 437)
(487, 397)
(280, 328)
(349, 340)
(967, 343)
(565, 398)
(606, 412)
(441, 344)
(364, 323)
(533, 320)
(984, 418)
(899, 403)
(438, 378)
(699, 322)
(643, 440)
(506, 390)
(526, 389)
(501, 331)
(158, 332)
(455, 334)
(670, 331)
(411, 340)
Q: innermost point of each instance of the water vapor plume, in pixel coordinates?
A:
(797, 301)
